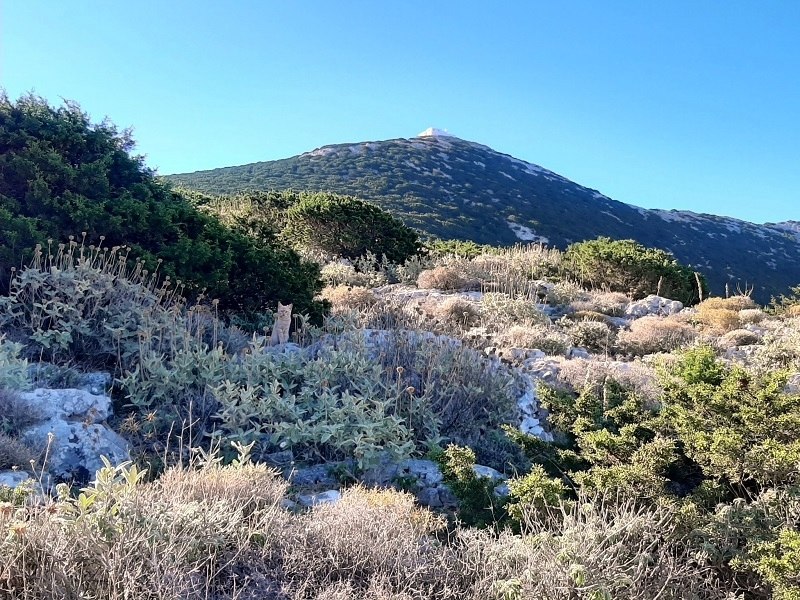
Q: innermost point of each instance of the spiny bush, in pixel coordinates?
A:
(563, 292)
(779, 348)
(548, 339)
(440, 249)
(459, 312)
(592, 335)
(607, 303)
(441, 278)
(636, 376)
(652, 334)
(14, 453)
(501, 311)
(15, 413)
(345, 297)
(737, 337)
(342, 274)
(751, 316)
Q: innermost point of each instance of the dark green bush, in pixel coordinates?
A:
(349, 227)
(629, 267)
(62, 175)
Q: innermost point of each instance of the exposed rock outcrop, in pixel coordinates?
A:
(73, 433)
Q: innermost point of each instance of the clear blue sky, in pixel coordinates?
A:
(679, 104)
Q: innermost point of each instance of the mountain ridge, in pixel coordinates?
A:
(454, 188)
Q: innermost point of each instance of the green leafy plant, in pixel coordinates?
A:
(13, 368)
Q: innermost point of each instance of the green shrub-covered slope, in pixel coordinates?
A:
(453, 188)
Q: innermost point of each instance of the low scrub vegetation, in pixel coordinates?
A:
(663, 450)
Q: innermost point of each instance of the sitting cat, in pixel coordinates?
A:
(280, 329)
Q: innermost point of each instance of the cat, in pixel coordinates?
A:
(280, 329)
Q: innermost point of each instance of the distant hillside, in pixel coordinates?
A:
(453, 188)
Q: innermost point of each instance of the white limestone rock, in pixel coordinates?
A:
(73, 431)
(653, 305)
(327, 497)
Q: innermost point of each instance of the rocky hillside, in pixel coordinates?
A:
(453, 188)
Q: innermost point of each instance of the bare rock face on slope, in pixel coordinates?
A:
(73, 433)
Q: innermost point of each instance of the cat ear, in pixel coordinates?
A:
(280, 306)
(289, 306)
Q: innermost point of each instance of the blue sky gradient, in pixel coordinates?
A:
(680, 104)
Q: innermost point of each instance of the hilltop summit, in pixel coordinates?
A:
(434, 132)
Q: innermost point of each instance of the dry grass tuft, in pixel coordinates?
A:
(723, 314)
(793, 310)
(201, 534)
(735, 303)
(367, 535)
(254, 484)
(599, 546)
(718, 320)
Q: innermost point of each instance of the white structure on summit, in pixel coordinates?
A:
(433, 132)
